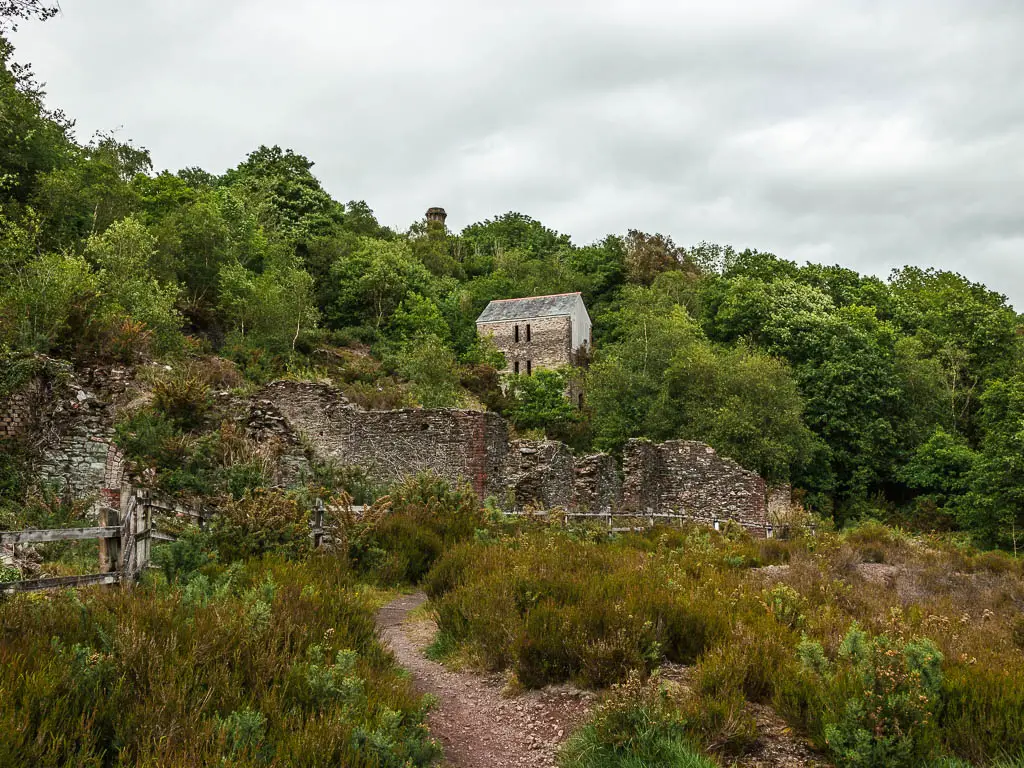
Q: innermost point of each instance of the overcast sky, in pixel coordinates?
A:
(870, 134)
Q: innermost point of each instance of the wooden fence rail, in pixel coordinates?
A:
(124, 536)
(60, 534)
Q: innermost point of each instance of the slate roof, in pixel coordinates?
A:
(531, 306)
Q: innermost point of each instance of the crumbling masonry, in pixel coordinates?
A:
(72, 424)
(676, 477)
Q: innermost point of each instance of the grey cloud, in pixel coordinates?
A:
(867, 133)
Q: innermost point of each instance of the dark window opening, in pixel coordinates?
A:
(527, 331)
(517, 334)
(581, 401)
(517, 367)
(529, 367)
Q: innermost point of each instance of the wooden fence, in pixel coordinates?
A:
(620, 522)
(124, 536)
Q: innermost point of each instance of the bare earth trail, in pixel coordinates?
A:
(481, 728)
(478, 726)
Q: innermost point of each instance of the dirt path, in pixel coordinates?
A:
(478, 726)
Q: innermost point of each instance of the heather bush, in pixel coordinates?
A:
(400, 537)
(267, 664)
(552, 607)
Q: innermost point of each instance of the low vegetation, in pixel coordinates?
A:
(884, 649)
(263, 663)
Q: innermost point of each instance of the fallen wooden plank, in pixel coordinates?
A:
(58, 582)
(60, 534)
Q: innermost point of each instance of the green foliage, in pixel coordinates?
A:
(270, 309)
(993, 507)
(878, 698)
(539, 401)
(431, 367)
(400, 538)
(217, 463)
(553, 608)
(278, 664)
(637, 725)
(123, 257)
(183, 399)
(260, 523)
(661, 378)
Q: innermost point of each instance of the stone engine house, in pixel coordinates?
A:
(537, 331)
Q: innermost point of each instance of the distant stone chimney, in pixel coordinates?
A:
(436, 214)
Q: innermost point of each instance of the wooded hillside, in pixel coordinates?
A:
(900, 398)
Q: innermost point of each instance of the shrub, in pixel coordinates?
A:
(183, 398)
(878, 699)
(552, 607)
(636, 725)
(400, 537)
(410, 548)
(277, 664)
(454, 513)
(258, 524)
(1018, 632)
(354, 481)
(219, 463)
(181, 559)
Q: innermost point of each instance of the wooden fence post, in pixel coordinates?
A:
(318, 523)
(110, 549)
(135, 532)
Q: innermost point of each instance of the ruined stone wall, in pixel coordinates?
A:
(20, 412)
(550, 344)
(539, 474)
(597, 486)
(677, 477)
(690, 478)
(70, 423)
(456, 444)
(73, 426)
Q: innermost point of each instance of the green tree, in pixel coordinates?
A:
(744, 404)
(993, 509)
(540, 401)
(46, 295)
(89, 191)
(270, 309)
(288, 197)
(430, 365)
(374, 280)
(647, 256)
(968, 328)
(33, 139)
(123, 257)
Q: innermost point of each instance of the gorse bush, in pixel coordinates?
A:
(877, 700)
(260, 523)
(183, 398)
(266, 664)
